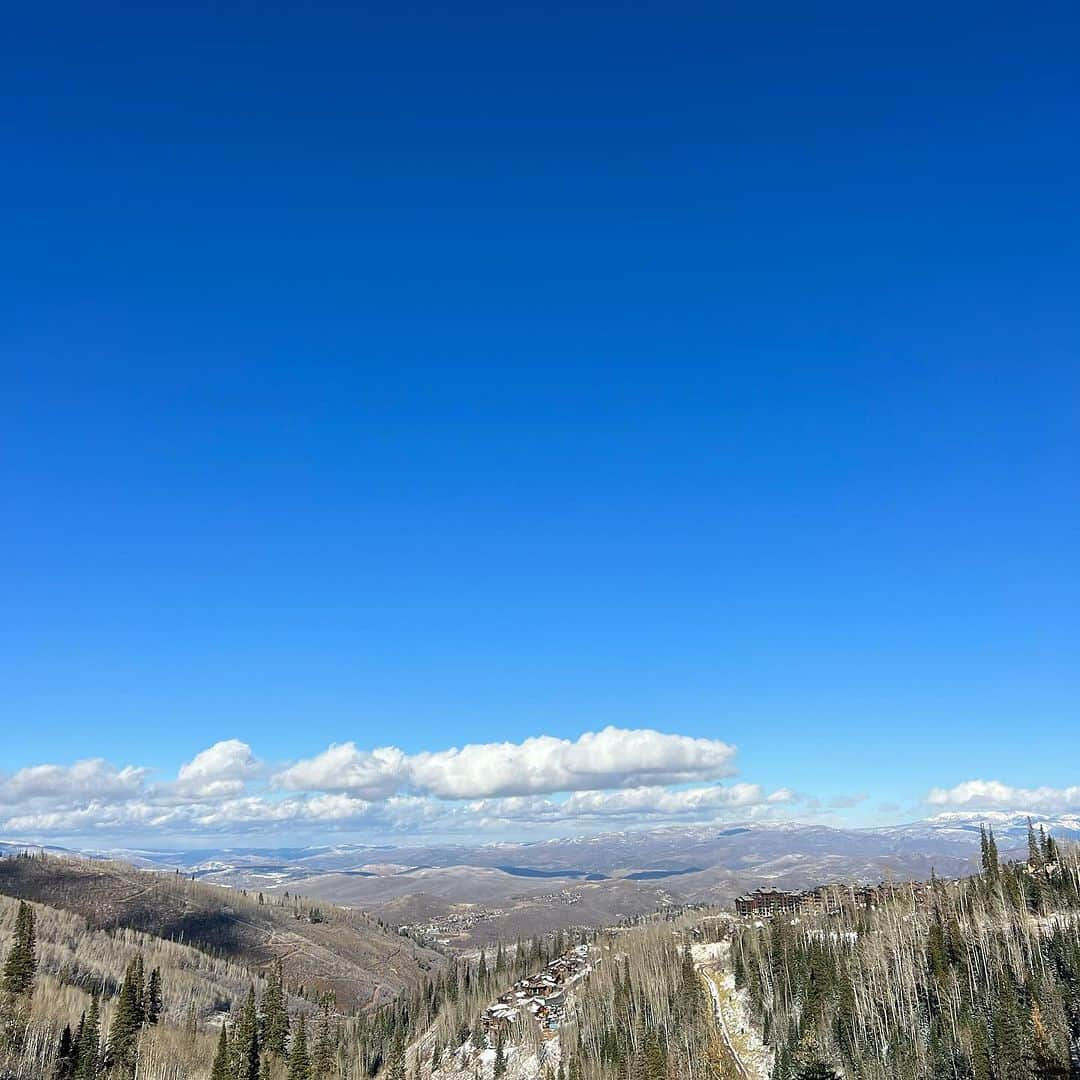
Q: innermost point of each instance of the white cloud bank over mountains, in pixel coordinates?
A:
(618, 775)
(994, 795)
(602, 780)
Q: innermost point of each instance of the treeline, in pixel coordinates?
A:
(975, 980)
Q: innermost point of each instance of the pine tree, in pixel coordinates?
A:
(1049, 847)
(65, 1056)
(500, 1057)
(479, 1039)
(222, 1068)
(1034, 851)
(322, 1058)
(138, 979)
(124, 1032)
(89, 1043)
(245, 1040)
(275, 1018)
(655, 1058)
(690, 990)
(76, 1042)
(153, 1004)
(299, 1062)
(21, 963)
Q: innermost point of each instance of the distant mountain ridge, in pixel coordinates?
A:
(676, 849)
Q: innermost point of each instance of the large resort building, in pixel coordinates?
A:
(825, 899)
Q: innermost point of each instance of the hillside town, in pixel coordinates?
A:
(543, 994)
(440, 930)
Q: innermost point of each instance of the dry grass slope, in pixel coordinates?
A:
(321, 947)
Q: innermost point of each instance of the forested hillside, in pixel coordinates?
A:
(974, 979)
(225, 986)
(979, 981)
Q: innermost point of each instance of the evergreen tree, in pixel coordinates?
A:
(245, 1040)
(65, 1056)
(1049, 847)
(21, 963)
(76, 1042)
(690, 990)
(153, 1004)
(500, 1057)
(124, 1032)
(222, 1068)
(138, 980)
(299, 1062)
(1035, 855)
(325, 1051)
(478, 1038)
(89, 1043)
(655, 1058)
(275, 1018)
(1011, 1037)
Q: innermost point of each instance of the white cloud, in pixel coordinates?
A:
(612, 758)
(993, 794)
(375, 774)
(92, 778)
(641, 804)
(221, 770)
(614, 776)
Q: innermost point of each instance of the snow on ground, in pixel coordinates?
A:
(732, 1009)
(521, 1062)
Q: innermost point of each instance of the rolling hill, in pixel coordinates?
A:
(320, 946)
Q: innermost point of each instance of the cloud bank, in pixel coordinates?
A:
(607, 778)
(994, 795)
(612, 758)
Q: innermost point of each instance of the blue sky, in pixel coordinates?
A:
(420, 378)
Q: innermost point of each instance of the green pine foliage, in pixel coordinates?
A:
(975, 980)
(127, 1021)
(21, 962)
(299, 1060)
(153, 1004)
(274, 1016)
(222, 1067)
(89, 1044)
(245, 1040)
(324, 1053)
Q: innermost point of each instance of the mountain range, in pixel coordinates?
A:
(531, 887)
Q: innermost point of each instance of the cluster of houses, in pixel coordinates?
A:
(826, 899)
(452, 924)
(564, 896)
(543, 994)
